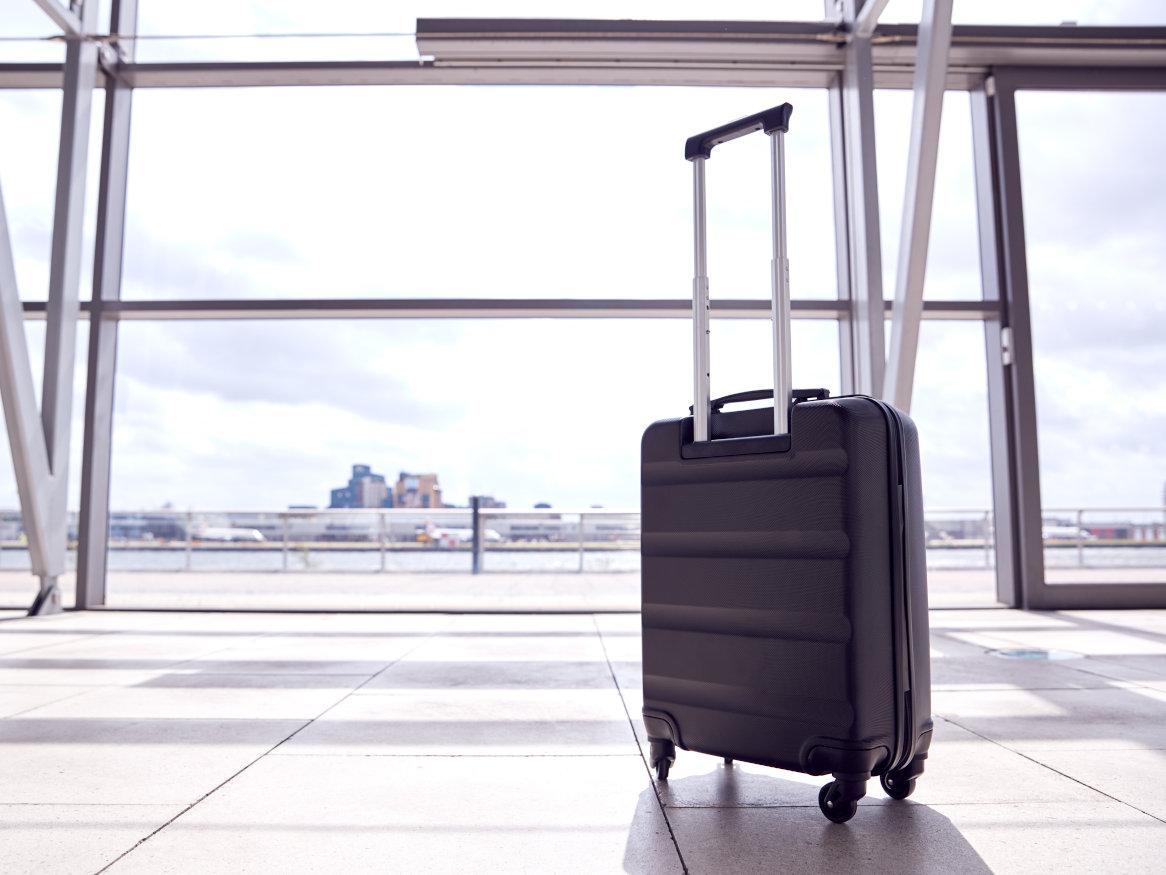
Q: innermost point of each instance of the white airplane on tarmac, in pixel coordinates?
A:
(451, 538)
(226, 533)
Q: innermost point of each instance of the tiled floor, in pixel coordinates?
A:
(186, 742)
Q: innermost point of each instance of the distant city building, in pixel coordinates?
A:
(490, 501)
(542, 505)
(364, 489)
(416, 491)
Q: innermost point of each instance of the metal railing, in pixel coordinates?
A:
(483, 539)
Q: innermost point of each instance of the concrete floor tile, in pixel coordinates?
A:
(65, 839)
(909, 837)
(118, 761)
(512, 674)
(1089, 642)
(1113, 718)
(489, 722)
(518, 624)
(509, 747)
(196, 703)
(17, 699)
(508, 647)
(952, 669)
(1131, 776)
(20, 639)
(430, 814)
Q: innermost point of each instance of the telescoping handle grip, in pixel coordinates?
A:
(769, 120)
(775, 123)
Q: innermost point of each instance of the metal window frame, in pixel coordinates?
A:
(1012, 379)
(766, 54)
(96, 457)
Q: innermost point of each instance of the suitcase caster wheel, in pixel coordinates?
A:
(896, 786)
(836, 809)
(728, 761)
(661, 756)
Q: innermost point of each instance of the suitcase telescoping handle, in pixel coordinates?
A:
(775, 123)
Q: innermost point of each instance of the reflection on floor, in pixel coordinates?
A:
(191, 742)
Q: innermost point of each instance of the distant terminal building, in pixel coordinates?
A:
(364, 489)
(416, 491)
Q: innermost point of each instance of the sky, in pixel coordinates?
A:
(501, 192)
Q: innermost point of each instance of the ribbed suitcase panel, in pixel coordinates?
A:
(763, 624)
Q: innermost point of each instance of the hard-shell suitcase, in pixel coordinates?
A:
(784, 577)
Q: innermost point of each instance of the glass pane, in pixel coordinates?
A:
(953, 254)
(1095, 219)
(462, 192)
(223, 429)
(950, 409)
(340, 29)
(1046, 12)
(26, 35)
(28, 176)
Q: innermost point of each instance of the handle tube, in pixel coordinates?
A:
(782, 360)
(775, 122)
(770, 120)
(700, 307)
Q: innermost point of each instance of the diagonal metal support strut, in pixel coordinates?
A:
(40, 439)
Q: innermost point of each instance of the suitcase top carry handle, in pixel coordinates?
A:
(770, 121)
(775, 123)
(763, 394)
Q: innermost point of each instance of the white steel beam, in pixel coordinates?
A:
(868, 17)
(62, 16)
(93, 529)
(865, 358)
(30, 459)
(919, 195)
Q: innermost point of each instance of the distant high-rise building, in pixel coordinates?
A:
(417, 490)
(364, 489)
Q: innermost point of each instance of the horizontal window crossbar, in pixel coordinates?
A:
(597, 52)
(486, 308)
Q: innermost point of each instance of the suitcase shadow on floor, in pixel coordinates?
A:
(731, 819)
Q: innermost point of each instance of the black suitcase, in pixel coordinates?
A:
(784, 577)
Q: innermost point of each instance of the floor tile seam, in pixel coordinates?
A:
(93, 805)
(1142, 684)
(79, 639)
(1055, 771)
(640, 748)
(64, 698)
(191, 805)
(236, 774)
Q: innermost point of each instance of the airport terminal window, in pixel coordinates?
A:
(1095, 225)
(245, 416)
(441, 191)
